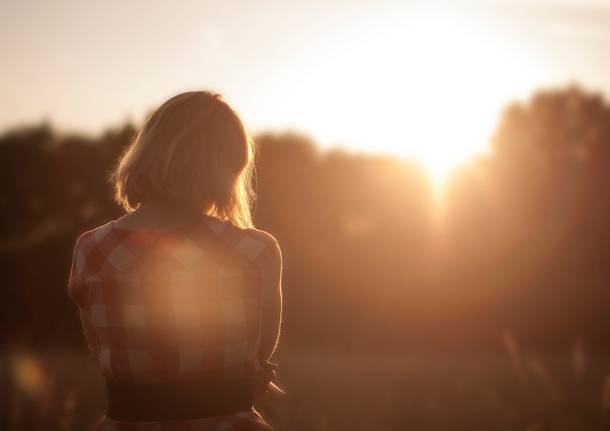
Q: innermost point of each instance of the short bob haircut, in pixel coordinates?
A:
(192, 152)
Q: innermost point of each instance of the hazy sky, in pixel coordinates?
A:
(373, 75)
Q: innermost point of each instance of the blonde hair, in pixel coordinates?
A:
(193, 151)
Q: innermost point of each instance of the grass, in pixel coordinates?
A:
(508, 390)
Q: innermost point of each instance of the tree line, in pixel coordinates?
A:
(521, 242)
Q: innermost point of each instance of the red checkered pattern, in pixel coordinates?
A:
(169, 306)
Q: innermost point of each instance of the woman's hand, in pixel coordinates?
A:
(263, 380)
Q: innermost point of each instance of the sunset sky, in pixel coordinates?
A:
(409, 78)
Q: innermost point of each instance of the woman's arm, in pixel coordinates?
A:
(271, 301)
(89, 333)
(77, 293)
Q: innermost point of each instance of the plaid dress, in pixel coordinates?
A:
(173, 306)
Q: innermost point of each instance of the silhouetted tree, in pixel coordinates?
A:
(523, 245)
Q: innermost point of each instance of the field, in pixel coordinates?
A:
(442, 390)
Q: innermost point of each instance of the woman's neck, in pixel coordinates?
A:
(158, 215)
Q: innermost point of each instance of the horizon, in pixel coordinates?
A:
(397, 57)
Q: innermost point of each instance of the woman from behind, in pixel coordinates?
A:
(180, 299)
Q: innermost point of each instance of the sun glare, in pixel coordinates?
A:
(427, 86)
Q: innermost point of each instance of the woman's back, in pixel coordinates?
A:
(180, 299)
(174, 305)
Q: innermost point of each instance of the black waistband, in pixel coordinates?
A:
(174, 401)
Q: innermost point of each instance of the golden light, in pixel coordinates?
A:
(29, 374)
(428, 85)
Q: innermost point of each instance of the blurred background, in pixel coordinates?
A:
(437, 174)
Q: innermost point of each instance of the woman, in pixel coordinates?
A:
(180, 299)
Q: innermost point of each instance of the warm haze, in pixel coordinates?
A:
(430, 203)
(371, 76)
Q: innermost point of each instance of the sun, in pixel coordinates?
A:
(438, 91)
(429, 85)
(452, 107)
